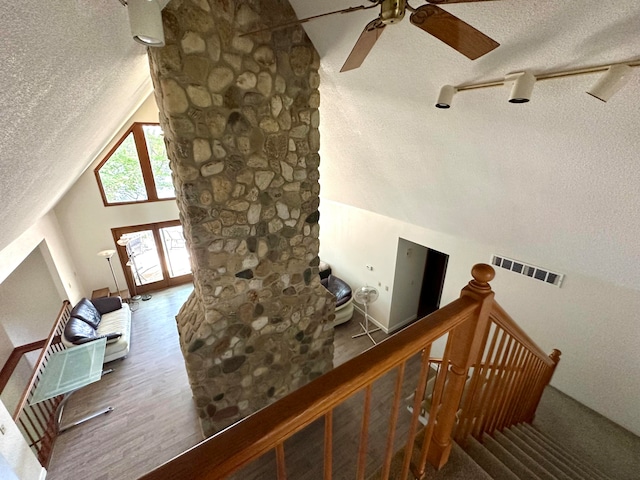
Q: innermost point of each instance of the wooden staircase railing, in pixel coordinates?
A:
(468, 322)
(37, 422)
(508, 379)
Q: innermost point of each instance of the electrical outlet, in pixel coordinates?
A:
(370, 268)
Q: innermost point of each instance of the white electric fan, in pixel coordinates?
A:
(364, 296)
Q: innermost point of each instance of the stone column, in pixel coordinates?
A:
(240, 116)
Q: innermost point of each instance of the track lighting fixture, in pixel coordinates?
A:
(613, 80)
(523, 83)
(446, 96)
(145, 19)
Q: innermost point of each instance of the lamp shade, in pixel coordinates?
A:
(613, 80)
(123, 241)
(445, 97)
(523, 83)
(145, 19)
(106, 253)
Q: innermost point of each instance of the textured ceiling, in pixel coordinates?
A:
(555, 181)
(70, 75)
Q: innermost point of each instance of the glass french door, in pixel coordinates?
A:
(153, 256)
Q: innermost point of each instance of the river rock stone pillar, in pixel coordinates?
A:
(240, 117)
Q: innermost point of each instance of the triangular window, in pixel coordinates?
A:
(137, 169)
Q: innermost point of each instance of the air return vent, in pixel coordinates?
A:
(537, 273)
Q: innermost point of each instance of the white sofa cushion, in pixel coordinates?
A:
(118, 321)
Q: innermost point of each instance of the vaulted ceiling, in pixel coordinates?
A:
(554, 181)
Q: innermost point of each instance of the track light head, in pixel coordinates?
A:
(613, 80)
(145, 19)
(446, 96)
(523, 83)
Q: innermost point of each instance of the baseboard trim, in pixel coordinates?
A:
(373, 320)
(403, 323)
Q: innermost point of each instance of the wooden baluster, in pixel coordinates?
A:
(492, 385)
(393, 421)
(534, 365)
(467, 342)
(539, 374)
(513, 373)
(25, 429)
(364, 434)
(280, 462)
(436, 401)
(328, 445)
(519, 401)
(546, 379)
(516, 402)
(516, 395)
(474, 410)
(507, 369)
(494, 402)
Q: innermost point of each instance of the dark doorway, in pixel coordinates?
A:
(432, 282)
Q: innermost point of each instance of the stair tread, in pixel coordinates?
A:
(517, 452)
(574, 457)
(489, 463)
(460, 466)
(513, 463)
(564, 459)
(537, 456)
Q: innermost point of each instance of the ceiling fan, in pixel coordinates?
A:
(429, 17)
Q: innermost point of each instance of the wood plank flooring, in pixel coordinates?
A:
(154, 417)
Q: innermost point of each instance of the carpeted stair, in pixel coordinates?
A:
(522, 452)
(567, 441)
(518, 453)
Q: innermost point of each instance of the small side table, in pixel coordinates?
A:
(99, 293)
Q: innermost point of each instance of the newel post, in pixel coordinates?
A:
(466, 344)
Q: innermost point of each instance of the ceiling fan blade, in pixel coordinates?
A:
(363, 46)
(454, 32)
(305, 20)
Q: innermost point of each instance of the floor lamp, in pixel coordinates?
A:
(124, 242)
(108, 254)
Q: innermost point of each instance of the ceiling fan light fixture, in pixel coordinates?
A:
(145, 20)
(446, 96)
(522, 89)
(613, 80)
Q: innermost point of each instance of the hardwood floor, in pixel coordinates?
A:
(154, 418)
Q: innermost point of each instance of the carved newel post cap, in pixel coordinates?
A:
(482, 274)
(555, 355)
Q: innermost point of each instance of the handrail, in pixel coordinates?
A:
(41, 358)
(257, 434)
(509, 376)
(37, 422)
(502, 318)
(14, 358)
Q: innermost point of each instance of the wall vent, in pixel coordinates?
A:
(537, 273)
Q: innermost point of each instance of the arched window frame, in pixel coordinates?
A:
(145, 166)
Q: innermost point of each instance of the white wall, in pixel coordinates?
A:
(87, 223)
(30, 301)
(593, 323)
(47, 230)
(16, 451)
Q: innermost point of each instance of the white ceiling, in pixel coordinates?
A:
(554, 182)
